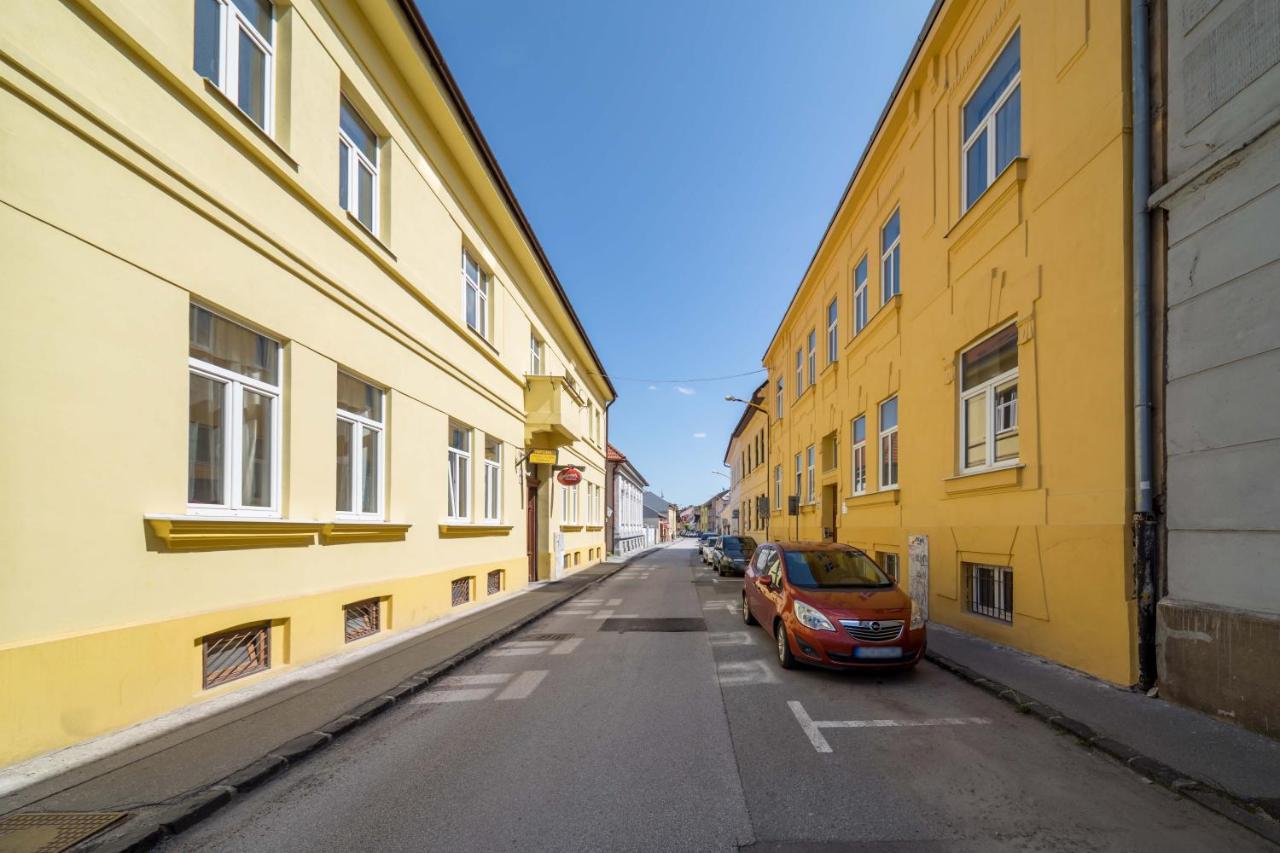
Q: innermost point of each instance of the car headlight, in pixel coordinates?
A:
(811, 618)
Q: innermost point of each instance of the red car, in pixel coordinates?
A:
(829, 605)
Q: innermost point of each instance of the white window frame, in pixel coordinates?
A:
(813, 357)
(483, 290)
(887, 436)
(810, 455)
(858, 467)
(231, 22)
(460, 465)
(357, 455)
(492, 484)
(355, 158)
(861, 312)
(890, 273)
(537, 349)
(777, 398)
(885, 558)
(988, 124)
(234, 386)
(799, 372)
(833, 331)
(799, 475)
(992, 409)
(777, 488)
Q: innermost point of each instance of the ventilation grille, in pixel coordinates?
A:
(236, 654)
(495, 581)
(51, 832)
(461, 591)
(362, 619)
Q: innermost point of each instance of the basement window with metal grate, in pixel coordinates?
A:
(361, 619)
(461, 591)
(988, 591)
(235, 654)
(495, 582)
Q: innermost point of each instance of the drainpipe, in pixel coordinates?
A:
(1143, 513)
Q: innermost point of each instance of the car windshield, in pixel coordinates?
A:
(833, 569)
(743, 546)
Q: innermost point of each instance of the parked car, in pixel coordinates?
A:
(830, 605)
(705, 546)
(733, 554)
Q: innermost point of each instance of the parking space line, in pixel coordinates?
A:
(813, 728)
(472, 680)
(566, 647)
(613, 602)
(729, 638)
(740, 673)
(524, 684)
(466, 695)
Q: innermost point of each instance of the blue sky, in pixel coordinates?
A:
(679, 162)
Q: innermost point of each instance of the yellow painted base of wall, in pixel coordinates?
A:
(64, 691)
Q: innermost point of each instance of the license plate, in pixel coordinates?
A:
(877, 652)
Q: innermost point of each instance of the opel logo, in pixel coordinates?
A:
(875, 626)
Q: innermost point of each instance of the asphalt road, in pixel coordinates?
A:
(575, 737)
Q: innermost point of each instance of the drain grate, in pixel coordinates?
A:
(549, 638)
(664, 626)
(51, 832)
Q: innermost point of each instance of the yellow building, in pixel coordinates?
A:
(275, 219)
(746, 458)
(950, 385)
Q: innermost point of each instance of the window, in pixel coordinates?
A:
(459, 472)
(360, 453)
(860, 296)
(777, 399)
(993, 123)
(989, 401)
(798, 473)
(799, 373)
(536, 351)
(808, 455)
(233, 425)
(475, 283)
(988, 591)
(460, 591)
(833, 337)
(357, 167)
(235, 654)
(890, 259)
(889, 443)
(569, 511)
(859, 430)
(889, 564)
(494, 582)
(235, 50)
(813, 356)
(492, 479)
(830, 451)
(361, 619)
(777, 488)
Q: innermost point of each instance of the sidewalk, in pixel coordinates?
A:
(1198, 756)
(172, 771)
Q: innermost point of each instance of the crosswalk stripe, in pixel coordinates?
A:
(524, 684)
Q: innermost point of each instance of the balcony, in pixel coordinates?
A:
(553, 412)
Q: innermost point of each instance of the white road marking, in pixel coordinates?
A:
(468, 695)
(566, 647)
(813, 728)
(741, 673)
(574, 612)
(613, 602)
(516, 653)
(472, 680)
(729, 638)
(602, 614)
(727, 604)
(595, 602)
(524, 684)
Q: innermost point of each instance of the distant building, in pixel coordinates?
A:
(624, 503)
(658, 526)
(747, 457)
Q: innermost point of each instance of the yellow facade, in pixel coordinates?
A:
(1041, 256)
(747, 458)
(133, 189)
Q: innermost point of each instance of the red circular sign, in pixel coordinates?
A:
(569, 477)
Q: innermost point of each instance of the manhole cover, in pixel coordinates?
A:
(51, 833)
(626, 625)
(552, 638)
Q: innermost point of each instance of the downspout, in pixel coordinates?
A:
(1143, 514)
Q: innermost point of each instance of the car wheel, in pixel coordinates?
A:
(747, 618)
(785, 659)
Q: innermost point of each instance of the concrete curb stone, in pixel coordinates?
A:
(190, 809)
(1261, 817)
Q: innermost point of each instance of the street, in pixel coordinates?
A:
(579, 734)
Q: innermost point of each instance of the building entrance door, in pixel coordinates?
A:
(531, 524)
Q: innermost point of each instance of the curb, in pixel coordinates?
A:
(1259, 816)
(186, 810)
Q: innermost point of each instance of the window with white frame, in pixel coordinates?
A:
(492, 479)
(537, 351)
(233, 426)
(777, 488)
(799, 474)
(989, 401)
(889, 443)
(833, 335)
(859, 430)
(459, 471)
(569, 497)
(888, 561)
(860, 315)
(993, 123)
(475, 286)
(360, 447)
(357, 166)
(891, 258)
(235, 50)
(799, 373)
(777, 399)
(813, 356)
(809, 471)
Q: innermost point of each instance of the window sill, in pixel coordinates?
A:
(1013, 176)
(594, 527)
(369, 235)
(455, 529)
(987, 480)
(479, 336)
(878, 498)
(345, 530)
(875, 321)
(571, 528)
(211, 533)
(252, 126)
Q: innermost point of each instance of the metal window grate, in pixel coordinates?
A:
(494, 582)
(461, 591)
(989, 591)
(235, 654)
(40, 832)
(361, 618)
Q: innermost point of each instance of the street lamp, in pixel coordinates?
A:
(729, 398)
(720, 474)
